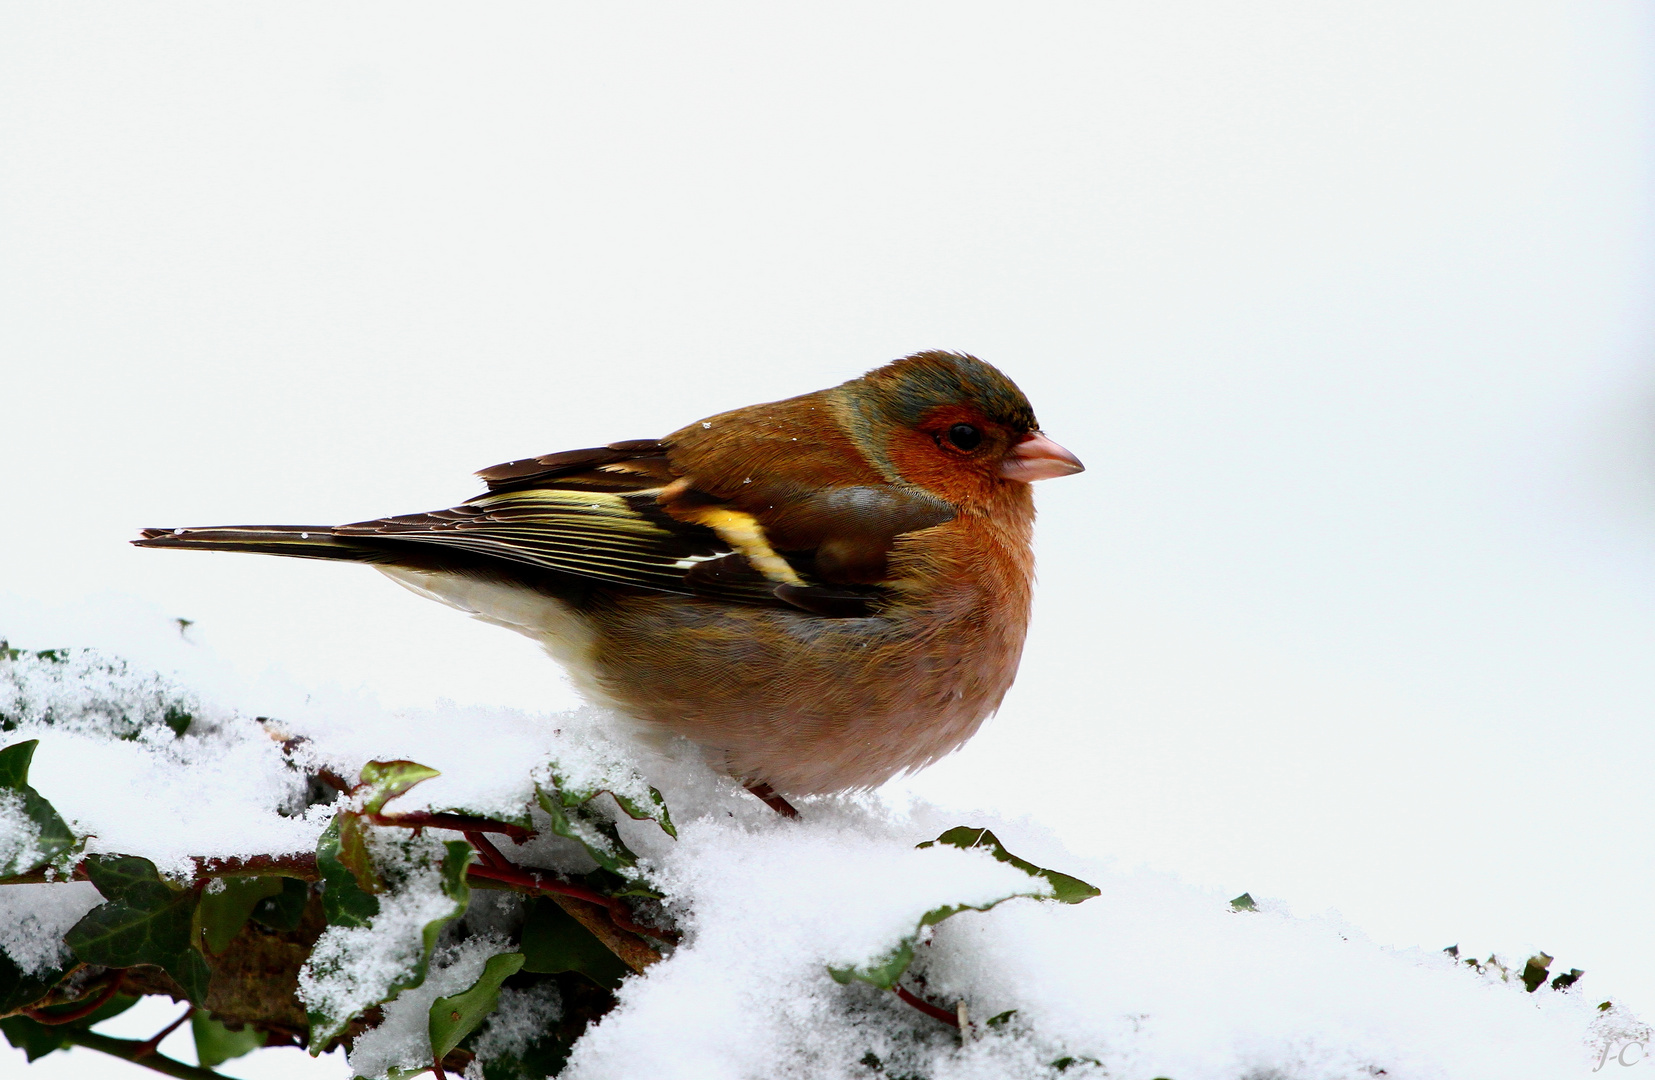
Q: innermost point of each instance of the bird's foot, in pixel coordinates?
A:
(767, 794)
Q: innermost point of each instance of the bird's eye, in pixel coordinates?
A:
(964, 436)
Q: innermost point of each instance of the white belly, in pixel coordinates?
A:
(561, 632)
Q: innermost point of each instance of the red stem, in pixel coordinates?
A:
(927, 1008)
(84, 1011)
(618, 912)
(421, 820)
(525, 880)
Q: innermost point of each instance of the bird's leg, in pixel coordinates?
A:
(767, 795)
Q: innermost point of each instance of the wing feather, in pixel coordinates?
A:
(622, 539)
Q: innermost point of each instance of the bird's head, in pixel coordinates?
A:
(951, 424)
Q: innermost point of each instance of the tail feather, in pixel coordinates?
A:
(298, 541)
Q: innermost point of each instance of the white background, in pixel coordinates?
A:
(1345, 306)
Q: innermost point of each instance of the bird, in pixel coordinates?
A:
(822, 592)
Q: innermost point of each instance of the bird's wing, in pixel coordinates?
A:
(610, 537)
(632, 465)
(619, 515)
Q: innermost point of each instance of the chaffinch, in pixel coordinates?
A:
(824, 591)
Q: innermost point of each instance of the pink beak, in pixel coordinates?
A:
(1038, 458)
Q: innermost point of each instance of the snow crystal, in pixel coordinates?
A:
(521, 1017)
(34, 918)
(19, 836)
(403, 1040)
(88, 691)
(354, 967)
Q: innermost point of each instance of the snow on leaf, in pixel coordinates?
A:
(885, 970)
(1065, 889)
(32, 834)
(19, 988)
(366, 958)
(455, 1017)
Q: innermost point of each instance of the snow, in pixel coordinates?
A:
(353, 968)
(19, 836)
(521, 1017)
(34, 918)
(1150, 978)
(402, 1040)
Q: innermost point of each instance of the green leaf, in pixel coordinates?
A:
(286, 909)
(178, 719)
(224, 912)
(353, 852)
(385, 780)
(216, 1044)
(887, 969)
(52, 841)
(456, 858)
(651, 807)
(344, 902)
(324, 1027)
(145, 921)
(18, 988)
(554, 941)
(571, 818)
(999, 1019)
(1065, 889)
(1534, 972)
(455, 1017)
(36, 1040)
(1244, 902)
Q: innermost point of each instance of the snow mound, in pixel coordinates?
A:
(1147, 978)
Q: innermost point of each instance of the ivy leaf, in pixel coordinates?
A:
(1245, 902)
(456, 1016)
(223, 913)
(571, 818)
(352, 852)
(51, 841)
(1065, 889)
(284, 910)
(36, 1040)
(1535, 971)
(325, 1026)
(385, 780)
(145, 921)
(344, 902)
(650, 807)
(19, 988)
(554, 941)
(885, 971)
(216, 1044)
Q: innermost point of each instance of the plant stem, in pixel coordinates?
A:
(421, 820)
(88, 1007)
(147, 1047)
(927, 1008)
(138, 1053)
